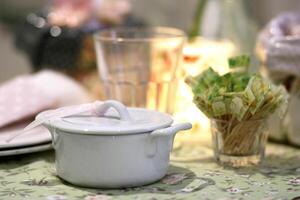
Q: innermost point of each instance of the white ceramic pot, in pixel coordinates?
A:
(123, 148)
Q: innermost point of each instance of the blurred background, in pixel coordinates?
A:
(146, 67)
(175, 13)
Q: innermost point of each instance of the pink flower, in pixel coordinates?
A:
(74, 13)
(173, 179)
(97, 197)
(234, 190)
(294, 181)
(56, 197)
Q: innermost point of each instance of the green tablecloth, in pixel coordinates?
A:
(193, 174)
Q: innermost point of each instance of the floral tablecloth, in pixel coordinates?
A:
(193, 174)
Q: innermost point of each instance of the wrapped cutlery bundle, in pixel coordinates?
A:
(25, 96)
(20, 99)
(278, 47)
(238, 105)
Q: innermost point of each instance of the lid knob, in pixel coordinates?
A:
(100, 108)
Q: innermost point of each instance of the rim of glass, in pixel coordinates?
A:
(163, 32)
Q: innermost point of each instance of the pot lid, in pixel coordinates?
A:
(110, 118)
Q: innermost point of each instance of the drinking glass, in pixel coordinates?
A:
(140, 66)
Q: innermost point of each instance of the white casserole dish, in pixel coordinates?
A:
(123, 148)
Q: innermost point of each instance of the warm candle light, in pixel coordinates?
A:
(198, 56)
(164, 56)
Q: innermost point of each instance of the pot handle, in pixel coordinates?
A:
(53, 139)
(151, 148)
(51, 130)
(100, 108)
(172, 130)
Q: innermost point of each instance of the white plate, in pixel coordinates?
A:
(24, 150)
(35, 136)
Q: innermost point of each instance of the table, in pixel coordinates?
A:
(193, 174)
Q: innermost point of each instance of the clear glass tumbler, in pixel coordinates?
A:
(239, 143)
(139, 66)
